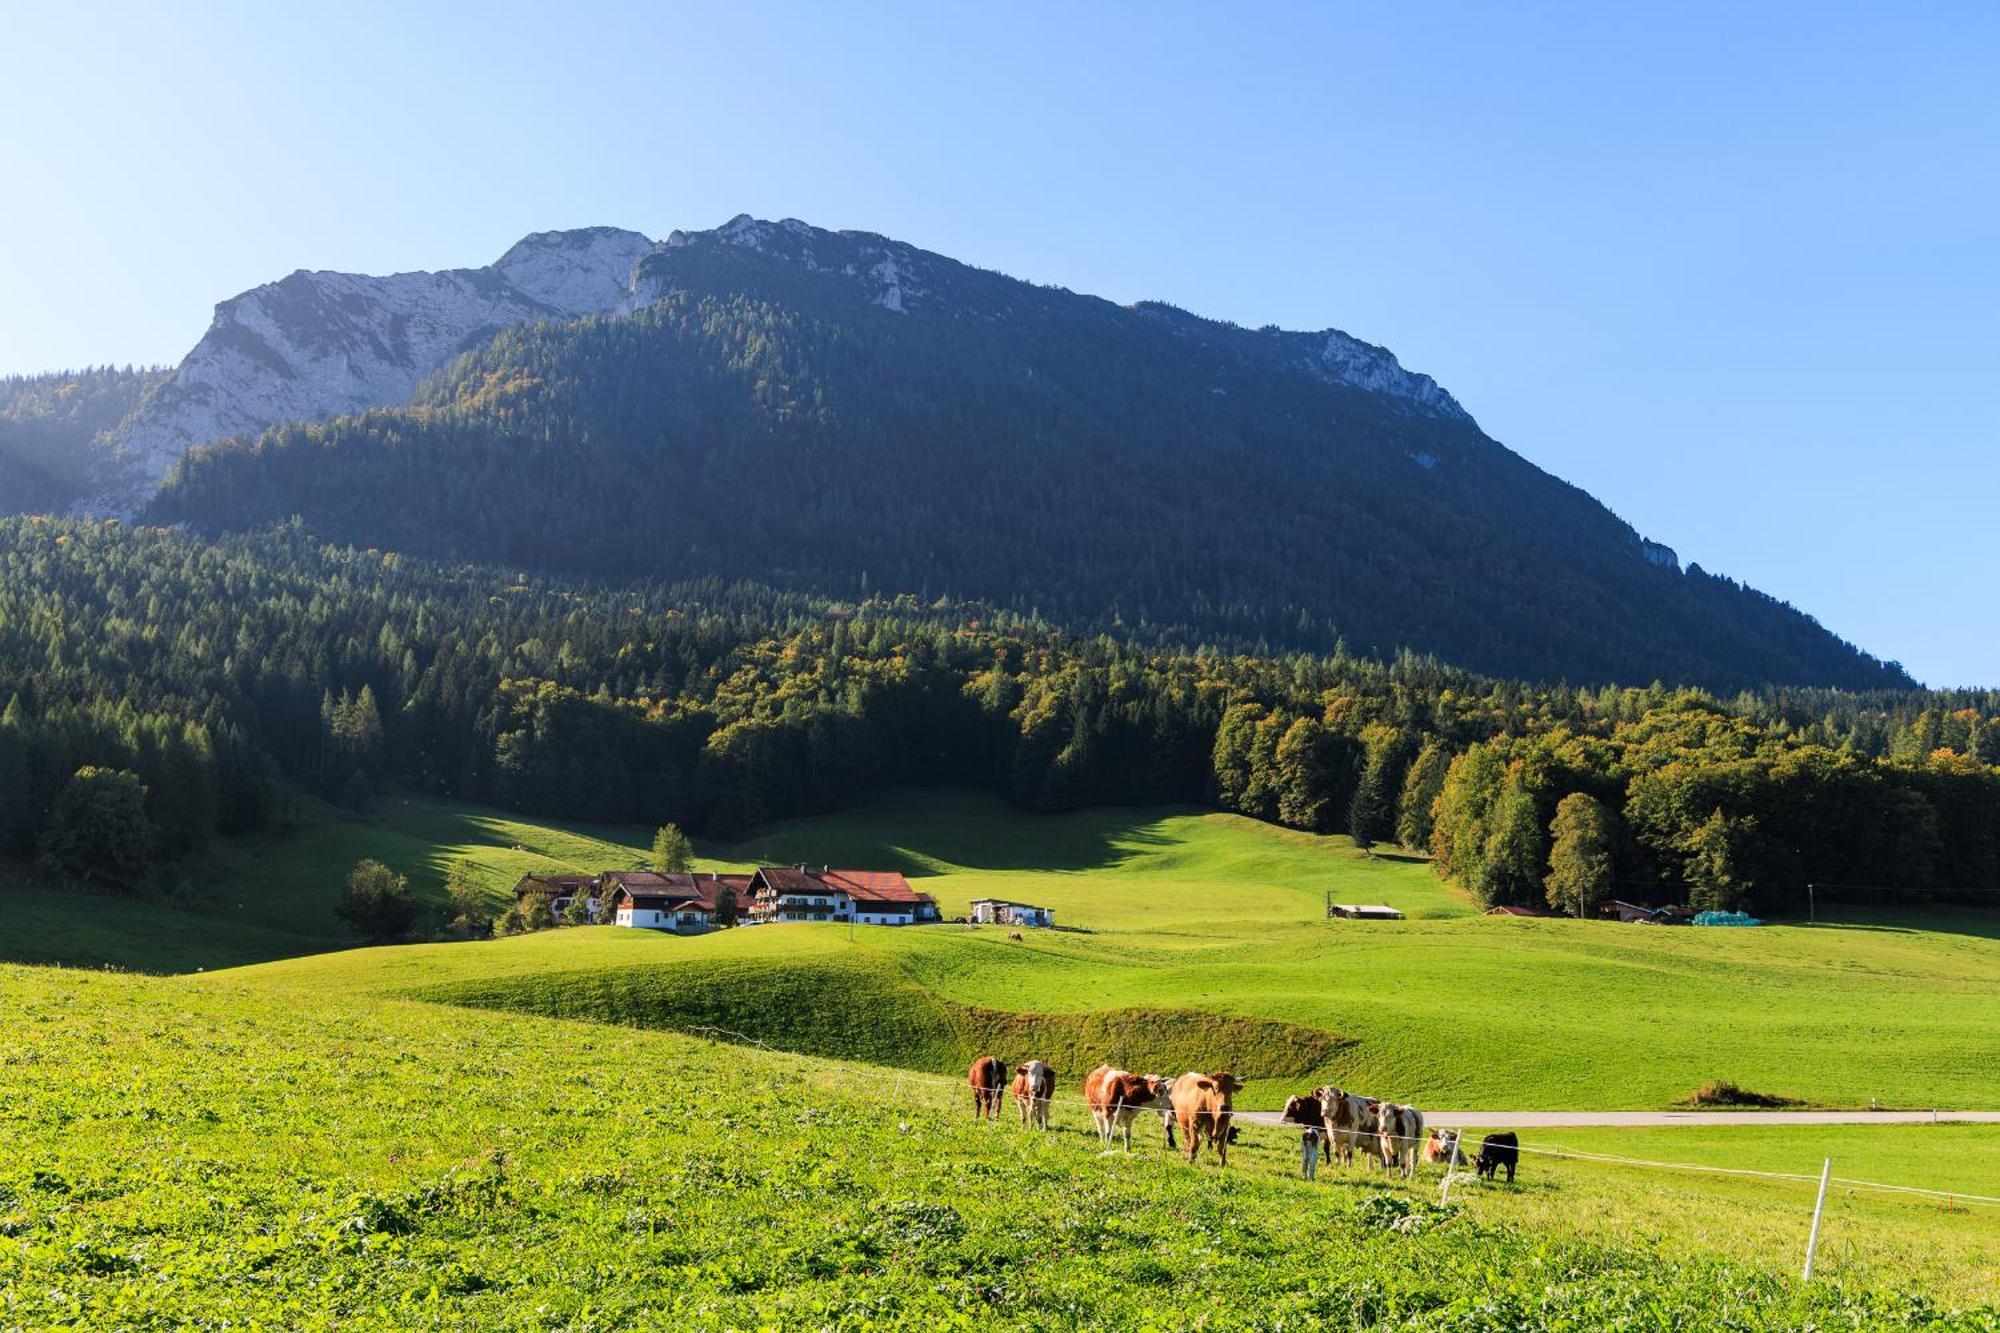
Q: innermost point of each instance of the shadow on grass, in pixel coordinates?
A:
(1980, 923)
(928, 832)
(1399, 856)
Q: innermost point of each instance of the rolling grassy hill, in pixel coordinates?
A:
(424, 1134)
(1190, 931)
(234, 1150)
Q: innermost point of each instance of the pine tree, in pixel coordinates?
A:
(1372, 813)
(1715, 863)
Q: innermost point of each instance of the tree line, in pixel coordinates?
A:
(219, 677)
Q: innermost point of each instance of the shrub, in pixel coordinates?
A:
(1724, 1093)
(377, 903)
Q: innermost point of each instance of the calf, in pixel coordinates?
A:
(1034, 1086)
(1496, 1151)
(1166, 1109)
(1349, 1121)
(1400, 1131)
(1306, 1112)
(1116, 1097)
(1201, 1106)
(1443, 1146)
(988, 1080)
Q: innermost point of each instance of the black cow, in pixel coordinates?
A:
(1496, 1151)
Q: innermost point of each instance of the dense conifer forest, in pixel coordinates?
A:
(49, 428)
(1109, 468)
(161, 690)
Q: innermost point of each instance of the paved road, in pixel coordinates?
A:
(1657, 1119)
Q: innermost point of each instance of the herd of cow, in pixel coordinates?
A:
(1331, 1120)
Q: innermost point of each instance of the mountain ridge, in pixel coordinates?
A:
(844, 412)
(320, 343)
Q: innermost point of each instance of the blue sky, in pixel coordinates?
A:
(1733, 269)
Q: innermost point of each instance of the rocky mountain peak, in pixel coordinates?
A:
(577, 272)
(321, 344)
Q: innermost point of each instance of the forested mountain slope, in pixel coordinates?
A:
(845, 414)
(51, 450)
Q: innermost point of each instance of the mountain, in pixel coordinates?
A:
(53, 448)
(317, 345)
(844, 413)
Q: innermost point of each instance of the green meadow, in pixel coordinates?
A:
(233, 1151)
(1162, 913)
(536, 1132)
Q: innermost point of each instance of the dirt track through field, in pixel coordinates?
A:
(1667, 1119)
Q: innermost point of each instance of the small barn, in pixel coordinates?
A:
(1001, 912)
(1363, 912)
(1630, 913)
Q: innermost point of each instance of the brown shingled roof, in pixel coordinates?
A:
(553, 885)
(873, 886)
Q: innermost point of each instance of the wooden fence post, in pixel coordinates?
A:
(1819, 1207)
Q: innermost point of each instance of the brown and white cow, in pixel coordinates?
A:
(1034, 1087)
(1201, 1107)
(988, 1080)
(1116, 1097)
(1349, 1120)
(1400, 1130)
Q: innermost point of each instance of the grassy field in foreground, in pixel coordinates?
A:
(223, 1152)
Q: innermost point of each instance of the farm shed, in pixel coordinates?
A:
(1001, 912)
(1363, 911)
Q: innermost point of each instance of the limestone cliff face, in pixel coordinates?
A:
(319, 344)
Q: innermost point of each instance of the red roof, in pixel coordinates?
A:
(874, 886)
